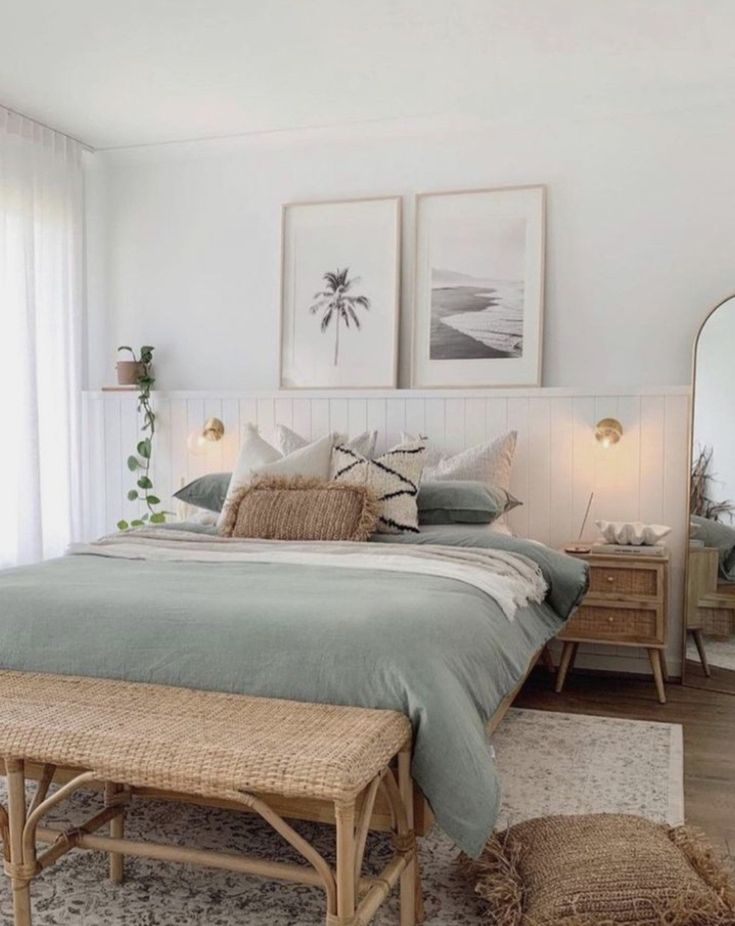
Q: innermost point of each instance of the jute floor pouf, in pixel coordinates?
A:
(602, 870)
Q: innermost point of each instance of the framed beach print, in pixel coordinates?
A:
(339, 296)
(478, 309)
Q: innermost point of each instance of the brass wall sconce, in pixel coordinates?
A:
(608, 431)
(213, 429)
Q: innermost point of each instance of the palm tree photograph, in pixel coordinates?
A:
(338, 303)
(340, 290)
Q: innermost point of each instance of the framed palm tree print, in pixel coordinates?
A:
(339, 294)
(478, 308)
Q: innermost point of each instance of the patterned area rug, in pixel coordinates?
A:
(549, 763)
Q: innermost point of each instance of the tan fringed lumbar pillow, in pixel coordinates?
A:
(602, 870)
(294, 508)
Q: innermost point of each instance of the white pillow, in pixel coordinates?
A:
(491, 463)
(393, 478)
(312, 461)
(289, 440)
(254, 453)
(258, 457)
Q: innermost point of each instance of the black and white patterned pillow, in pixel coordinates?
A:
(393, 478)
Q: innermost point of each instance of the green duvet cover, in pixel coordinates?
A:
(437, 649)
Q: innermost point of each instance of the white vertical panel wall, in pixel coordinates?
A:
(558, 462)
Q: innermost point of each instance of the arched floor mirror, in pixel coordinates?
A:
(709, 656)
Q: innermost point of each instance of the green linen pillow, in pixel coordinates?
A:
(462, 501)
(453, 501)
(207, 491)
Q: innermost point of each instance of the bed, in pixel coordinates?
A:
(436, 647)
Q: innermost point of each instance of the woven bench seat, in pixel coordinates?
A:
(198, 742)
(206, 745)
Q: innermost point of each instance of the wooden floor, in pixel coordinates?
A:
(719, 679)
(708, 718)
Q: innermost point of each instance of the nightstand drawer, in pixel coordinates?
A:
(628, 581)
(615, 623)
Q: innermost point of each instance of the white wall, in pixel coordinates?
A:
(640, 232)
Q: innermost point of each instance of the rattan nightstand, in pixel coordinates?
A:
(626, 605)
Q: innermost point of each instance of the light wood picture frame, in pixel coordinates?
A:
(479, 288)
(340, 289)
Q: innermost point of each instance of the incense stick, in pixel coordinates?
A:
(586, 515)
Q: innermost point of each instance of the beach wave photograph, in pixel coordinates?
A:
(477, 289)
(473, 318)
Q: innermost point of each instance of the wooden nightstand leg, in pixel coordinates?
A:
(664, 665)
(568, 655)
(655, 656)
(699, 640)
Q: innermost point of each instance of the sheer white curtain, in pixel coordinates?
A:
(41, 240)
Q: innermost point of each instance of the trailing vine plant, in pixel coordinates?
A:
(140, 462)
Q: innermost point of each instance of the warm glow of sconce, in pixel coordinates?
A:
(608, 431)
(213, 431)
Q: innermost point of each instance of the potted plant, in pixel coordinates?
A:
(128, 371)
(140, 462)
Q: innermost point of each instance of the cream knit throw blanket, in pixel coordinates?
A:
(510, 579)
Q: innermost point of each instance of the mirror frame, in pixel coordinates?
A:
(693, 403)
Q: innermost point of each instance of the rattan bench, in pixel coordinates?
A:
(205, 746)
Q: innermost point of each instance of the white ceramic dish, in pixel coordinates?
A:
(632, 533)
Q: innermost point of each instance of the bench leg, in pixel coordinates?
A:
(117, 831)
(17, 818)
(21, 903)
(345, 817)
(412, 902)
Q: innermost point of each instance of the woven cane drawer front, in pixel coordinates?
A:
(627, 581)
(610, 623)
(719, 622)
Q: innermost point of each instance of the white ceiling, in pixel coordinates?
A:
(129, 72)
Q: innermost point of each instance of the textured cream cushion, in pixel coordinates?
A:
(288, 441)
(257, 457)
(490, 462)
(393, 479)
(293, 508)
